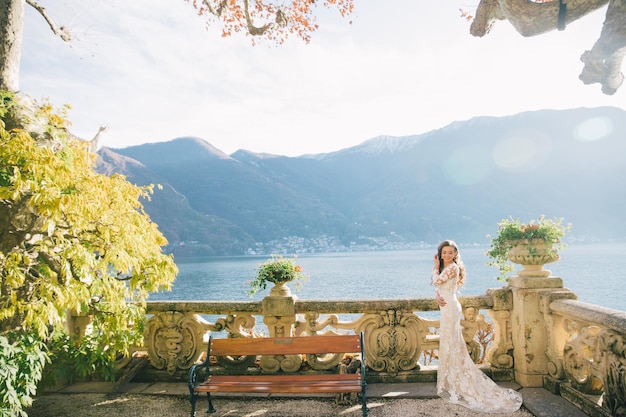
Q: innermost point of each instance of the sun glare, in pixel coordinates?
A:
(593, 129)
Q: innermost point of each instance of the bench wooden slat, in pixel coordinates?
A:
(280, 389)
(283, 383)
(218, 382)
(285, 345)
(286, 377)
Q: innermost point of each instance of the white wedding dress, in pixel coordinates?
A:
(459, 380)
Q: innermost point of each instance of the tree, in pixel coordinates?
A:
(72, 240)
(277, 21)
(602, 64)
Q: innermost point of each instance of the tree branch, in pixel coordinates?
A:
(486, 13)
(59, 31)
(217, 12)
(280, 21)
(603, 63)
(527, 17)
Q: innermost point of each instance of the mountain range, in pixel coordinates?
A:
(388, 192)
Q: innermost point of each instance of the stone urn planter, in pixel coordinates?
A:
(280, 288)
(533, 254)
(531, 244)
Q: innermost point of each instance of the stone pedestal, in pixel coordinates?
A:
(529, 328)
(279, 315)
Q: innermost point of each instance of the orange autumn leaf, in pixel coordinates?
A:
(264, 20)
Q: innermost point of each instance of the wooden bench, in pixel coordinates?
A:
(280, 382)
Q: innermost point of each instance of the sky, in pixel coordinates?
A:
(151, 71)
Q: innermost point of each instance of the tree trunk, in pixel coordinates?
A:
(603, 63)
(530, 18)
(11, 27)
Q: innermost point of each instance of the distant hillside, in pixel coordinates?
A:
(454, 182)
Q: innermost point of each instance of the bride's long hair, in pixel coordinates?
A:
(457, 259)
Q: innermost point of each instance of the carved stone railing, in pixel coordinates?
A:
(395, 336)
(588, 357)
(539, 335)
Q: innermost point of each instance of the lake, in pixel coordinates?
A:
(594, 272)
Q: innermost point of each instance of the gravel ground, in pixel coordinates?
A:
(131, 405)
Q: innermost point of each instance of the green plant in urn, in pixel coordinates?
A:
(277, 270)
(530, 244)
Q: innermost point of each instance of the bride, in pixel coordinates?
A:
(459, 380)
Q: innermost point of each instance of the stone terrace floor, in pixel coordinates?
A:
(99, 399)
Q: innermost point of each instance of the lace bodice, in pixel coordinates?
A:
(447, 282)
(459, 380)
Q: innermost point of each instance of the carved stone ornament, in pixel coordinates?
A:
(392, 340)
(472, 323)
(613, 349)
(578, 361)
(312, 326)
(174, 340)
(236, 325)
(280, 326)
(285, 363)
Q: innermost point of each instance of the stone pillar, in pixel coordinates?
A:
(77, 324)
(530, 331)
(279, 314)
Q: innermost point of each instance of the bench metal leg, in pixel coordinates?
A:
(192, 399)
(364, 408)
(211, 408)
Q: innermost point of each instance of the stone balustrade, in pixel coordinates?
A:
(587, 355)
(535, 333)
(395, 336)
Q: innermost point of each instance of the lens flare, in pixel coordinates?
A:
(522, 151)
(514, 153)
(593, 129)
(467, 165)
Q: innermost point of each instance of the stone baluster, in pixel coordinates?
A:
(557, 335)
(498, 354)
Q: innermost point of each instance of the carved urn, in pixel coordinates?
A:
(280, 288)
(533, 254)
